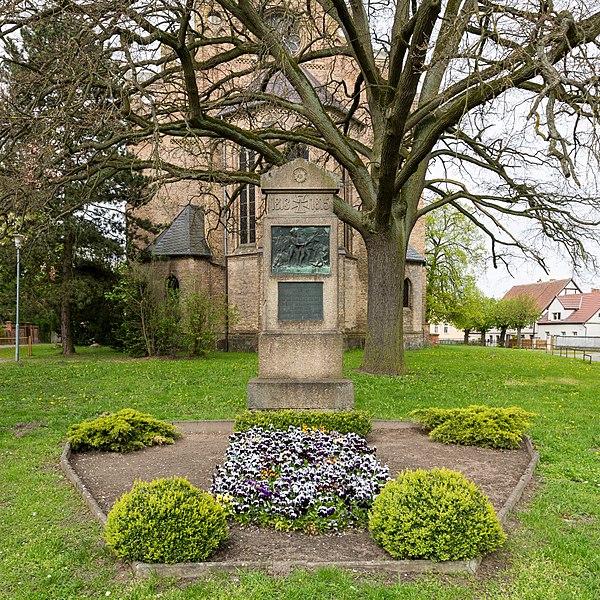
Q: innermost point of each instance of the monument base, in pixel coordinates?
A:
(300, 394)
(300, 355)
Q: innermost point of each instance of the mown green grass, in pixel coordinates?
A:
(51, 548)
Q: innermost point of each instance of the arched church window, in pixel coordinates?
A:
(286, 28)
(247, 200)
(172, 284)
(296, 150)
(346, 195)
(407, 293)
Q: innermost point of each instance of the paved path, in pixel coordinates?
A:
(594, 353)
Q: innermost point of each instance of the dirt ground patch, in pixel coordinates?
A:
(400, 445)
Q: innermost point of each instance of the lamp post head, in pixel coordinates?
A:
(18, 239)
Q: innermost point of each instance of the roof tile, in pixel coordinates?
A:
(590, 305)
(543, 291)
(184, 237)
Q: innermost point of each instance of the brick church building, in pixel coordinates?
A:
(211, 235)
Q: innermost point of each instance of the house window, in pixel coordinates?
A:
(247, 201)
(563, 333)
(547, 334)
(574, 333)
(436, 329)
(445, 328)
(556, 316)
(406, 294)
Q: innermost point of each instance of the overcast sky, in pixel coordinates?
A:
(496, 282)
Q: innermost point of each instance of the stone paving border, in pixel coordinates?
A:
(196, 570)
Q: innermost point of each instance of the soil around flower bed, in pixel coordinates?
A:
(400, 445)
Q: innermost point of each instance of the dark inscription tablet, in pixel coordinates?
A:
(300, 301)
(302, 249)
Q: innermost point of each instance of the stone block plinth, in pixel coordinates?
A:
(285, 355)
(305, 394)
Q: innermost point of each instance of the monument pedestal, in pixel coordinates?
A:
(309, 355)
(285, 358)
(300, 394)
(300, 347)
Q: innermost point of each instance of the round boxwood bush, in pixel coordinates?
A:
(436, 515)
(165, 521)
(123, 431)
(476, 425)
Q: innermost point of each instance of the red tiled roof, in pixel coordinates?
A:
(543, 292)
(584, 305)
(590, 305)
(571, 301)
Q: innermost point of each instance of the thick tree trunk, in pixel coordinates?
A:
(384, 343)
(502, 341)
(482, 338)
(66, 328)
(466, 336)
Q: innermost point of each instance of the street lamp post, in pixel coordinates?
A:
(18, 238)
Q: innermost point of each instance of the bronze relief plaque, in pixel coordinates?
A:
(300, 249)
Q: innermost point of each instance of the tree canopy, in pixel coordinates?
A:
(73, 227)
(455, 254)
(520, 312)
(491, 106)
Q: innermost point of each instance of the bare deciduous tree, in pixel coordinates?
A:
(407, 97)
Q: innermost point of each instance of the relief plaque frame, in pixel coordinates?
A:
(300, 249)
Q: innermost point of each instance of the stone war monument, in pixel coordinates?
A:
(300, 345)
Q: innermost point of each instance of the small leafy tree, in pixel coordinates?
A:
(515, 313)
(502, 319)
(203, 319)
(158, 321)
(454, 254)
(523, 311)
(150, 312)
(484, 319)
(468, 312)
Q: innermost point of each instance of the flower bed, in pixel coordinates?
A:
(299, 479)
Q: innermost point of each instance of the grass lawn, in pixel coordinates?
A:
(51, 548)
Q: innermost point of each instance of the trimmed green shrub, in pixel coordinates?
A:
(436, 515)
(166, 521)
(475, 425)
(123, 431)
(355, 421)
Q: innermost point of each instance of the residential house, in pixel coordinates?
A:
(564, 311)
(545, 293)
(448, 333)
(572, 315)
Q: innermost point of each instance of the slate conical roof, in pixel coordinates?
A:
(413, 256)
(184, 237)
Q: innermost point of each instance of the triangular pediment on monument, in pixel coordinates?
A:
(299, 174)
